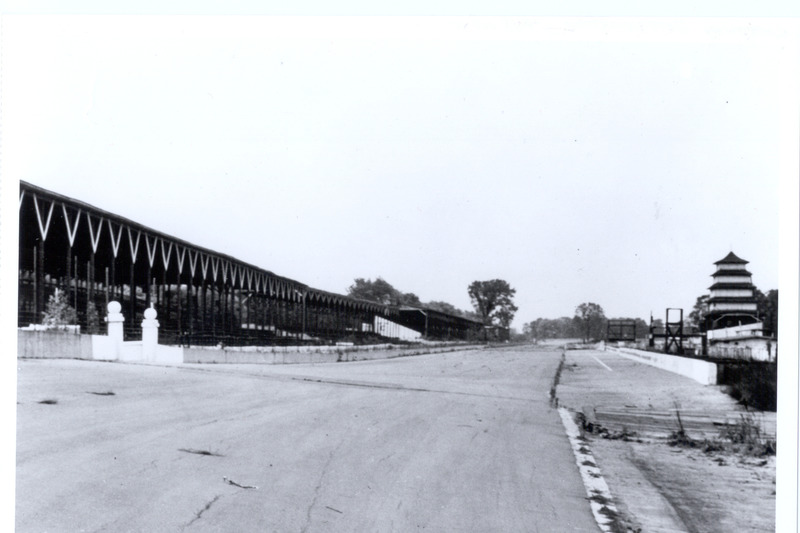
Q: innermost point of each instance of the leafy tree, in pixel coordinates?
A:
(409, 298)
(534, 330)
(92, 319)
(58, 311)
(504, 316)
(380, 291)
(493, 301)
(591, 319)
(642, 328)
(444, 307)
(472, 315)
(768, 310)
(697, 317)
(552, 328)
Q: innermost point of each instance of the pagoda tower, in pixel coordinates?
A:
(732, 302)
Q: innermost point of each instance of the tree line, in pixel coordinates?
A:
(590, 323)
(492, 300)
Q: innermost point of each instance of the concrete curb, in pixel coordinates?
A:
(597, 491)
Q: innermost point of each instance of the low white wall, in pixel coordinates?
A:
(171, 355)
(130, 351)
(700, 371)
(281, 355)
(103, 348)
(57, 344)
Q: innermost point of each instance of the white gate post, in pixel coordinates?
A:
(149, 334)
(114, 319)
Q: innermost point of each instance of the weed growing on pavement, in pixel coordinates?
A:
(679, 437)
(746, 430)
(744, 438)
(556, 379)
(623, 435)
(594, 428)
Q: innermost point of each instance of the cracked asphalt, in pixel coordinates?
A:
(462, 441)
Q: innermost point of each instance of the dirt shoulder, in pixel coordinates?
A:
(659, 485)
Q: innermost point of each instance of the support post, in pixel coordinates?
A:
(37, 286)
(132, 293)
(75, 285)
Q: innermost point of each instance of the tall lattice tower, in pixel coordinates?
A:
(732, 301)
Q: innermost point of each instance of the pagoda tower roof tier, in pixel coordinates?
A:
(741, 273)
(731, 258)
(729, 285)
(732, 300)
(732, 313)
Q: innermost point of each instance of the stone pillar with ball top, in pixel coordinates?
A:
(149, 334)
(115, 320)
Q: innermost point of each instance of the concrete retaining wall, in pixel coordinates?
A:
(700, 371)
(59, 344)
(279, 355)
(53, 344)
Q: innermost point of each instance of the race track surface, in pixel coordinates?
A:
(463, 441)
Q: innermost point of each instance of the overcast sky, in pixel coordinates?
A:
(603, 160)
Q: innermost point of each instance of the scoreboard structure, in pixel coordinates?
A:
(621, 330)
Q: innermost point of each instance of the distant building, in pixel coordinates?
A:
(733, 327)
(732, 301)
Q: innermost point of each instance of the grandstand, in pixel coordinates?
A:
(203, 297)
